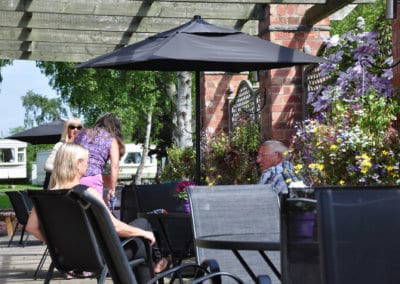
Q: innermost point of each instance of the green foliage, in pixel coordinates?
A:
(181, 165)
(370, 12)
(227, 159)
(31, 152)
(39, 109)
(17, 129)
(231, 159)
(4, 62)
(129, 94)
(357, 143)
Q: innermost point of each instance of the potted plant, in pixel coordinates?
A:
(181, 190)
(302, 217)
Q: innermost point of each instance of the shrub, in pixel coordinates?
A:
(351, 136)
(231, 158)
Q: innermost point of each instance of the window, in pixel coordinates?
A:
(21, 155)
(7, 155)
(133, 158)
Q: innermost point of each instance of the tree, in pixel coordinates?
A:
(371, 13)
(4, 62)
(183, 115)
(17, 129)
(39, 109)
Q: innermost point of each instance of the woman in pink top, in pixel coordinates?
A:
(104, 142)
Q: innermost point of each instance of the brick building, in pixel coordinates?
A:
(284, 24)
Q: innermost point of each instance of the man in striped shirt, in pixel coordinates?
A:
(277, 170)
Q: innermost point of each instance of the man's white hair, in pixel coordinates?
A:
(275, 146)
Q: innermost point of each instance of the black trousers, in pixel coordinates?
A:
(136, 249)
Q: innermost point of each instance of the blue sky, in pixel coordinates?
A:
(19, 78)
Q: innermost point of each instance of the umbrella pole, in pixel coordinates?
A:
(198, 126)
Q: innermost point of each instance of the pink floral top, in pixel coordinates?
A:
(99, 149)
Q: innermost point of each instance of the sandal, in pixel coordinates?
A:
(163, 264)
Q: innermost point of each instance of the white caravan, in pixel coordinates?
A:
(12, 159)
(131, 160)
(128, 164)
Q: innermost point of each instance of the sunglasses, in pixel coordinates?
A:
(79, 127)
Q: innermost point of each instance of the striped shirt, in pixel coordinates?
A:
(279, 176)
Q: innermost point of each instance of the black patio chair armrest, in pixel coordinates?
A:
(263, 279)
(175, 270)
(217, 275)
(124, 242)
(135, 262)
(301, 199)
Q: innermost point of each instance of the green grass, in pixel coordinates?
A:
(4, 201)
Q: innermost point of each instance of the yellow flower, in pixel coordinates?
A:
(341, 182)
(366, 164)
(364, 170)
(289, 180)
(219, 176)
(316, 166)
(385, 153)
(318, 143)
(389, 168)
(333, 147)
(298, 167)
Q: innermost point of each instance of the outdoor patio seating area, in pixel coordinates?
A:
(246, 230)
(202, 141)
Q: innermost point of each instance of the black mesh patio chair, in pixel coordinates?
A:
(174, 236)
(22, 208)
(359, 235)
(114, 255)
(145, 198)
(237, 209)
(70, 240)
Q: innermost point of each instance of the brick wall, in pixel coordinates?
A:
(284, 89)
(282, 25)
(396, 48)
(214, 103)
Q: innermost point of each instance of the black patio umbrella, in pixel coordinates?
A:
(49, 133)
(200, 46)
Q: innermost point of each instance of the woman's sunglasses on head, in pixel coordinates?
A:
(79, 127)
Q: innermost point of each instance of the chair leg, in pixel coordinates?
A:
(41, 263)
(21, 240)
(49, 273)
(13, 234)
(102, 278)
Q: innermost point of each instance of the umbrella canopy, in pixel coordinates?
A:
(43, 134)
(200, 46)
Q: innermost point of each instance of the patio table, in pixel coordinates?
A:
(237, 242)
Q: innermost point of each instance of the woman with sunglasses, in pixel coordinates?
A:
(104, 142)
(71, 129)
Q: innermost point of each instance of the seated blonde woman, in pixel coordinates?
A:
(69, 165)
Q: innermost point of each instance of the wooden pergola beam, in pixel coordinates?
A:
(127, 7)
(320, 12)
(70, 36)
(139, 9)
(44, 56)
(77, 30)
(108, 23)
